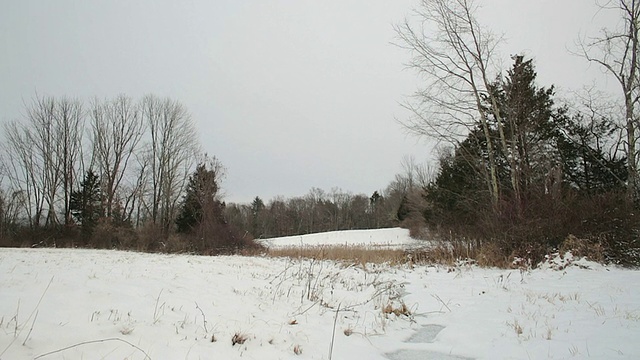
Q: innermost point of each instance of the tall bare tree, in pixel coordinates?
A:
(616, 50)
(170, 155)
(22, 172)
(69, 127)
(41, 118)
(454, 54)
(117, 130)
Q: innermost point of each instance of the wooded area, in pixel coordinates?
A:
(519, 172)
(121, 173)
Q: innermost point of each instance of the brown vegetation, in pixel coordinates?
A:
(350, 254)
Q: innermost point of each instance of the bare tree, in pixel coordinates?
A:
(43, 154)
(42, 119)
(616, 50)
(117, 130)
(22, 171)
(170, 155)
(454, 54)
(69, 118)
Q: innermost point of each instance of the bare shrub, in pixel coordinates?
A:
(591, 249)
(150, 237)
(176, 243)
(416, 225)
(106, 235)
(491, 255)
(446, 252)
(215, 237)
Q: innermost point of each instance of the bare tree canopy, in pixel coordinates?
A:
(44, 152)
(616, 50)
(170, 155)
(117, 130)
(453, 53)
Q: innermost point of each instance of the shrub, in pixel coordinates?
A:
(591, 249)
(150, 237)
(106, 235)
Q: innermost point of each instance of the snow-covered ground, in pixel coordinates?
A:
(394, 238)
(97, 304)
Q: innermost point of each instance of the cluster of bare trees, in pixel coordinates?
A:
(142, 152)
(40, 158)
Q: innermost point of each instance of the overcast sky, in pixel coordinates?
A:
(289, 95)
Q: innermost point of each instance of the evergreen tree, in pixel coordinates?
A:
(588, 166)
(257, 206)
(459, 193)
(376, 206)
(531, 123)
(200, 198)
(86, 203)
(555, 156)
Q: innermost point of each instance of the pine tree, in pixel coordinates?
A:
(86, 203)
(531, 123)
(200, 197)
(587, 166)
(257, 206)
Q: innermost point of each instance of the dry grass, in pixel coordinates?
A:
(399, 310)
(491, 254)
(354, 254)
(239, 338)
(517, 328)
(451, 253)
(592, 250)
(446, 253)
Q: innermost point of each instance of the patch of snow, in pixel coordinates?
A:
(393, 238)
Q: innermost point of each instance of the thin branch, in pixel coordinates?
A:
(146, 356)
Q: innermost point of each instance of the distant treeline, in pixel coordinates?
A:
(125, 173)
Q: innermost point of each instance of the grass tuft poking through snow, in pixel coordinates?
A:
(239, 338)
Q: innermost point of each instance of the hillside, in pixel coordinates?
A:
(395, 238)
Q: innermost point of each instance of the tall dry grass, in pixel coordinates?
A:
(343, 253)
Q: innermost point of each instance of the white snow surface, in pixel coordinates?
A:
(394, 238)
(101, 304)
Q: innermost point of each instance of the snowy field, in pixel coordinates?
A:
(97, 304)
(394, 238)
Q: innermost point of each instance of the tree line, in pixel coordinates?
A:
(126, 173)
(321, 211)
(88, 174)
(520, 172)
